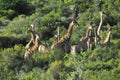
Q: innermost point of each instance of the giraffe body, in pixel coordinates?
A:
(106, 42)
(33, 48)
(86, 42)
(100, 24)
(97, 31)
(97, 38)
(42, 48)
(32, 40)
(63, 43)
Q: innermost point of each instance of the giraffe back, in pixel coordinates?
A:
(65, 37)
(42, 48)
(34, 48)
(30, 51)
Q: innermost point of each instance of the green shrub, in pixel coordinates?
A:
(99, 64)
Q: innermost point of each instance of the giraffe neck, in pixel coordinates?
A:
(99, 27)
(37, 41)
(95, 31)
(58, 33)
(69, 31)
(32, 40)
(107, 39)
(66, 36)
(96, 36)
(31, 50)
(88, 31)
(32, 35)
(85, 36)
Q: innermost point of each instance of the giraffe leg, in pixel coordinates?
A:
(73, 49)
(88, 45)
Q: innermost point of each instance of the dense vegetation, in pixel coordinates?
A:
(16, 16)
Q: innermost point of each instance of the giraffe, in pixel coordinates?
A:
(75, 14)
(57, 37)
(106, 42)
(89, 36)
(58, 32)
(97, 31)
(42, 48)
(33, 48)
(85, 42)
(32, 41)
(73, 49)
(100, 24)
(88, 32)
(96, 38)
(63, 43)
(81, 46)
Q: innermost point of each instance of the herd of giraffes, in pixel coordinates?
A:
(88, 41)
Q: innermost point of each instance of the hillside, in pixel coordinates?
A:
(16, 16)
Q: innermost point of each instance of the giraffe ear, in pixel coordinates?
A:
(32, 27)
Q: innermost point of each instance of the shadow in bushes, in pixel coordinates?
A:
(6, 42)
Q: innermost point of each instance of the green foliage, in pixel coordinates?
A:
(99, 64)
(12, 8)
(10, 61)
(8, 13)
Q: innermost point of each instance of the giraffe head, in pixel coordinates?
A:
(75, 14)
(102, 13)
(32, 27)
(110, 29)
(29, 30)
(92, 25)
(37, 36)
(57, 24)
